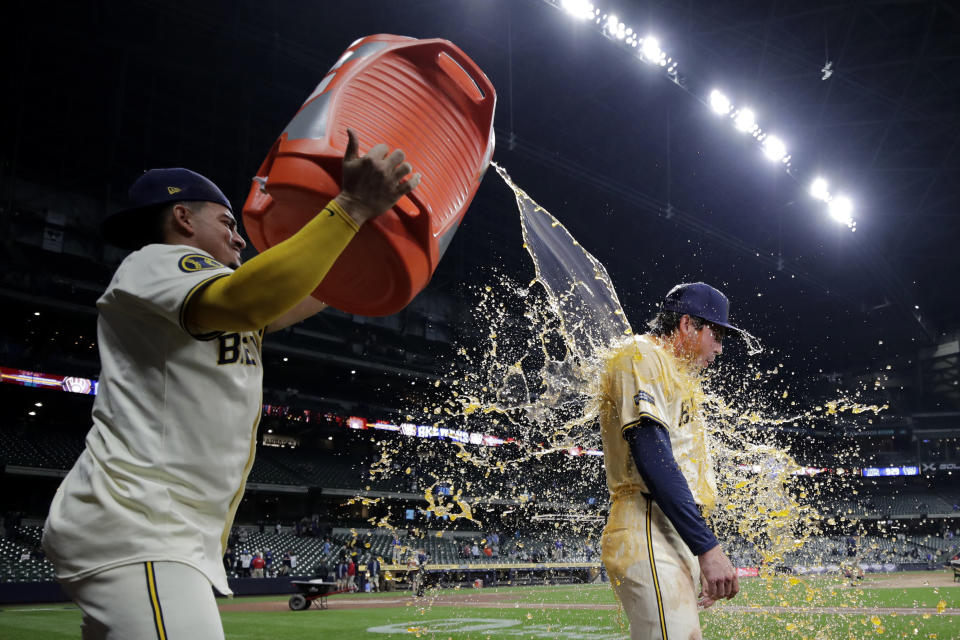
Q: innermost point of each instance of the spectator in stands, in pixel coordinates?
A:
(352, 575)
(326, 547)
(246, 560)
(415, 574)
(294, 560)
(465, 551)
(487, 551)
(373, 573)
(257, 565)
(475, 550)
(278, 528)
(395, 550)
(269, 568)
(229, 560)
(341, 574)
(322, 571)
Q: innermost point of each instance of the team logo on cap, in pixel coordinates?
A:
(173, 190)
(193, 262)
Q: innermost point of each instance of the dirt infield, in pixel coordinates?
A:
(905, 580)
(469, 598)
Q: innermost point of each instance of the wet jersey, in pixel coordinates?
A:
(642, 380)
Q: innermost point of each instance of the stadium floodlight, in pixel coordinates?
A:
(774, 148)
(841, 210)
(612, 22)
(745, 121)
(650, 49)
(578, 8)
(621, 31)
(820, 189)
(719, 103)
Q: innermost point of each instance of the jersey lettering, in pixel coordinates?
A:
(685, 409)
(643, 396)
(246, 352)
(233, 349)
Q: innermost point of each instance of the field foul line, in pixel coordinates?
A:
(900, 611)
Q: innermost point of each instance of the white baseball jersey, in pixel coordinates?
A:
(174, 428)
(644, 380)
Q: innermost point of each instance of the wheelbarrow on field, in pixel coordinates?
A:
(311, 591)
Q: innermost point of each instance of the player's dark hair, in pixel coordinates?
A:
(666, 322)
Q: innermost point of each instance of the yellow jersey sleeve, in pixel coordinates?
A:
(273, 282)
(635, 383)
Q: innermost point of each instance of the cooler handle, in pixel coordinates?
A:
(464, 74)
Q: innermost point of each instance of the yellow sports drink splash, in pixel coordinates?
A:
(532, 381)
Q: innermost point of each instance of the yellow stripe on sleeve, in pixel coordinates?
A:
(638, 421)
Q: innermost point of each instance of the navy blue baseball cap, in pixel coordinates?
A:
(131, 228)
(701, 300)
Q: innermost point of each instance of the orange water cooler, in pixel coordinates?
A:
(423, 96)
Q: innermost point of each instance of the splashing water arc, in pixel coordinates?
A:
(577, 285)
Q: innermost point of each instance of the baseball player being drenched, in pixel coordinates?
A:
(137, 529)
(656, 545)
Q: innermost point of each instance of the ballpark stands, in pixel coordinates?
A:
(18, 559)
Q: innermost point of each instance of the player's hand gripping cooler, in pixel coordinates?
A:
(423, 96)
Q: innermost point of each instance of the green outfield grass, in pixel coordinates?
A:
(531, 612)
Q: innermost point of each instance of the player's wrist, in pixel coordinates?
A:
(357, 209)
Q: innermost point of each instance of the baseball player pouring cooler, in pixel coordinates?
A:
(137, 530)
(656, 545)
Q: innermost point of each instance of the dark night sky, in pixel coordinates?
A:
(97, 92)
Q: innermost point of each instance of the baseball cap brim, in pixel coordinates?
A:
(726, 325)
